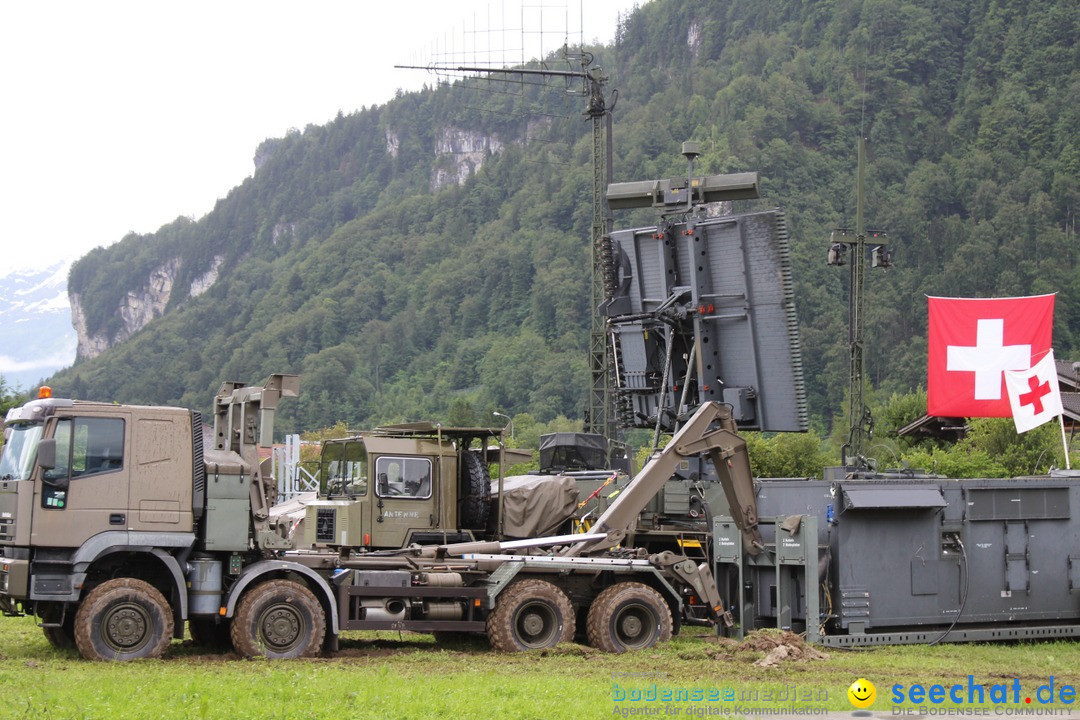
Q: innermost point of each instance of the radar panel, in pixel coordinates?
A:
(703, 310)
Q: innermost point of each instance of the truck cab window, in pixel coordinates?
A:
(87, 446)
(344, 468)
(84, 446)
(97, 446)
(63, 452)
(403, 477)
(54, 486)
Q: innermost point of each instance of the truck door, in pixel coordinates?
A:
(403, 501)
(86, 493)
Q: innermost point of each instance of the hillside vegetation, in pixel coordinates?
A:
(337, 259)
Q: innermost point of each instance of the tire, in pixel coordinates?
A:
(530, 615)
(279, 619)
(628, 616)
(476, 484)
(123, 619)
(61, 637)
(210, 633)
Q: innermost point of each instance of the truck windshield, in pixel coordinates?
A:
(17, 458)
(344, 468)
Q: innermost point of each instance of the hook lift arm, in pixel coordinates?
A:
(728, 454)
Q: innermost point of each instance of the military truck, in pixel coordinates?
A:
(118, 523)
(432, 485)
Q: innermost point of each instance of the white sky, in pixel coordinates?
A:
(120, 115)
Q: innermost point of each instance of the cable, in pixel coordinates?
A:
(963, 598)
(824, 620)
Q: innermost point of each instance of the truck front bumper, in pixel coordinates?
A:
(14, 582)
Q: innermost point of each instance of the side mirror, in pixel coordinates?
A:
(46, 454)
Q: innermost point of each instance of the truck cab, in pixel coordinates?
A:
(72, 472)
(403, 484)
(117, 525)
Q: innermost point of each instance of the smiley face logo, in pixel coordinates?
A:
(862, 693)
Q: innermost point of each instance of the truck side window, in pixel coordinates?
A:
(403, 477)
(98, 446)
(84, 446)
(87, 446)
(54, 488)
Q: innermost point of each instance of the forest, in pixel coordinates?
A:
(399, 298)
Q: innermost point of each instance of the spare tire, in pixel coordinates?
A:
(475, 485)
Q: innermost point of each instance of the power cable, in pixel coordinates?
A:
(964, 597)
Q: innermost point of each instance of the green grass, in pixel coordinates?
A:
(408, 676)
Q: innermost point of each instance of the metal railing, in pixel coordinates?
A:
(290, 474)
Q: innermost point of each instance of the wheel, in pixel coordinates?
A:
(628, 616)
(210, 632)
(529, 615)
(476, 483)
(61, 637)
(123, 619)
(278, 619)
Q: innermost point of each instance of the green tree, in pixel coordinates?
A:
(993, 448)
(793, 455)
(8, 399)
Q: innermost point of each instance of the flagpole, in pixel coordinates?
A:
(1064, 442)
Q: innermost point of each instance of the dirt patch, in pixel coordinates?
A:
(568, 650)
(764, 648)
(780, 647)
(374, 652)
(379, 648)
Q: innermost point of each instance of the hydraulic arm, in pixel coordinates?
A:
(712, 430)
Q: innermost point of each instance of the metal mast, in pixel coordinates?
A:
(601, 415)
(857, 428)
(861, 422)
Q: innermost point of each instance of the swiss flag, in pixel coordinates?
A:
(973, 341)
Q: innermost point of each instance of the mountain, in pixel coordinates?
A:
(428, 258)
(35, 322)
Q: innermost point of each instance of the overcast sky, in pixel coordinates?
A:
(120, 116)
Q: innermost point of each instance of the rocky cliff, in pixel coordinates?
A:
(137, 308)
(459, 154)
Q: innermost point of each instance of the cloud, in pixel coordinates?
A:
(46, 364)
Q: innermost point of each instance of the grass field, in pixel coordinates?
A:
(387, 675)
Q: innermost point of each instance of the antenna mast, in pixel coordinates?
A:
(861, 421)
(600, 417)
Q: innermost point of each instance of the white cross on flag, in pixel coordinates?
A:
(973, 341)
(1034, 394)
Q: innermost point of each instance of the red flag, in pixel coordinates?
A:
(972, 343)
